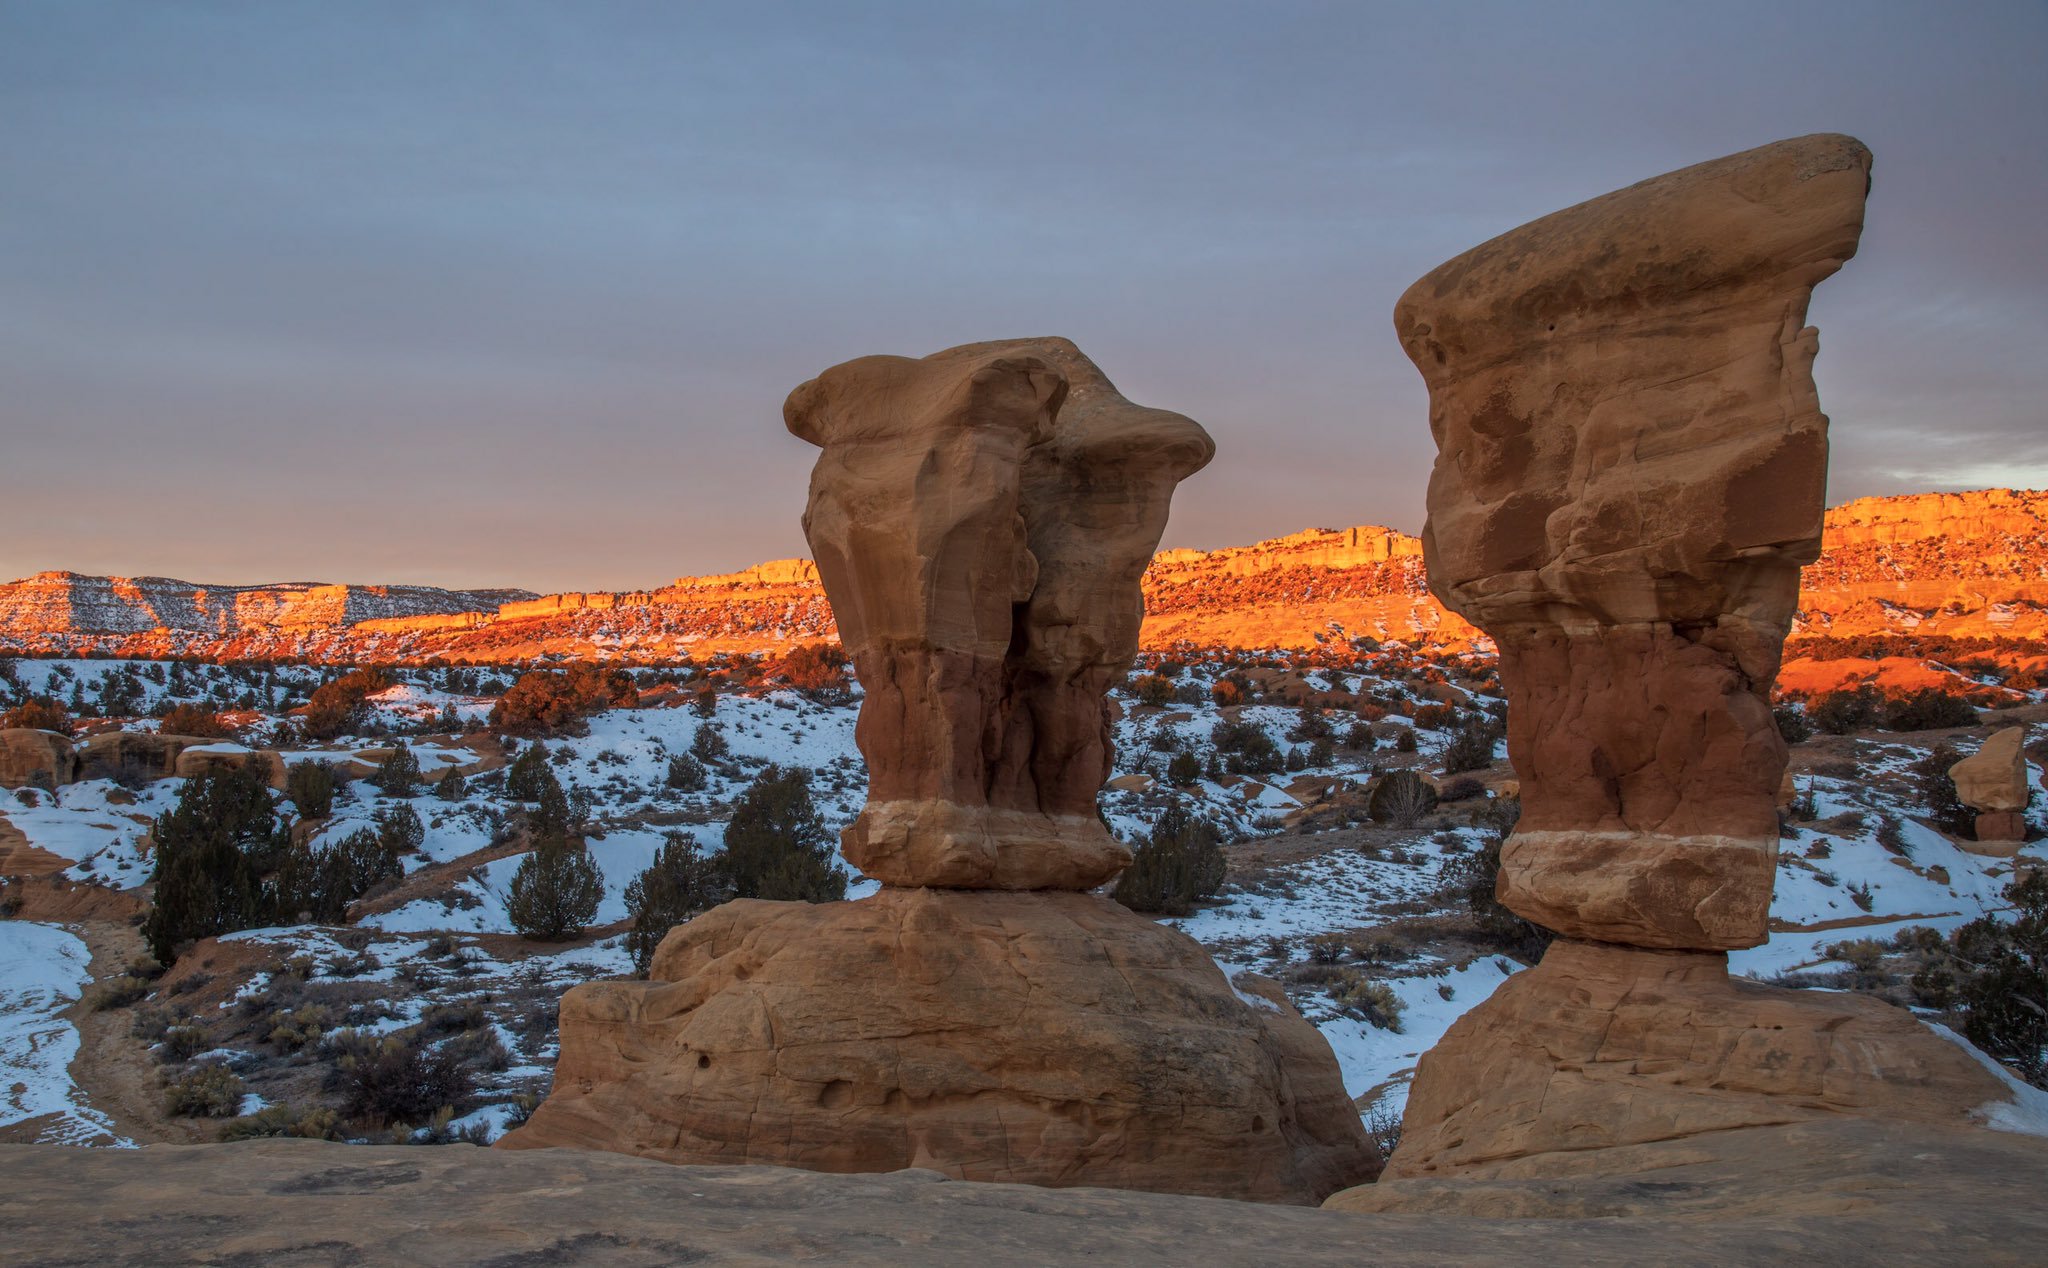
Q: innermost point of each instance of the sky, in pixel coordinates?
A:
(510, 294)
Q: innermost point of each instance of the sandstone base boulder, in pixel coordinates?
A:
(1999, 833)
(1046, 1038)
(1600, 1047)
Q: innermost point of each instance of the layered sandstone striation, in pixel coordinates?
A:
(981, 518)
(1631, 460)
(1630, 464)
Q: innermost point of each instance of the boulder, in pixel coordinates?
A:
(132, 756)
(200, 756)
(1993, 780)
(1630, 469)
(981, 518)
(1051, 1038)
(30, 758)
(1600, 1047)
(1999, 834)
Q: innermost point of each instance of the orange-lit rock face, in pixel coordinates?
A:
(980, 519)
(1630, 470)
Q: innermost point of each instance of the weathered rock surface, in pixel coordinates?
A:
(1832, 1192)
(1994, 778)
(981, 519)
(1603, 1046)
(1631, 462)
(1050, 1038)
(129, 756)
(199, 756)
(36, 759)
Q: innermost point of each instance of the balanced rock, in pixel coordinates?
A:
(30, 758)
(200, 756)
(1049, 1038)
(981, 518)
(1994, 778)
(1600, 1047)
(1631, 461)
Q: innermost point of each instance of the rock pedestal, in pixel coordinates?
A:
(980, 520)
(1631, 461)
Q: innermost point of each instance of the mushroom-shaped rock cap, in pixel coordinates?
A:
(981, 518)
(1622, 394)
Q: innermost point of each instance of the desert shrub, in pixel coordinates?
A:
(814, 669)
(1401, 798)
(1471, 749)
(1843, 712)
(318, 885)
(1184, 770)
(554, 893)
(1384, 1126)
(705, 702)
(396, 1078)
(1404, 740)
(1474, 880)
(776, 843)
(283, 1120)
(1928, 709)
(37, 713)
(1153, 689)
(342, 705)
(211, 851)
(1860, 895)
(310, 786)
(708, 744)
(1179, 864)
(208, 1091)
(1310, 723)
(1436, 717)
(1463, 788)
(1374, 1003)
(1938, 793)
(1251, 751)
(117, 992)
(686, 773)
(1793, 727)
(676, 886)
(194, 720)
(546, 702)
(398, 775)
(296, 1028)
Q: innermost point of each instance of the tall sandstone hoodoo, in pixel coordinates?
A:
(980, 518)
(1631, 463)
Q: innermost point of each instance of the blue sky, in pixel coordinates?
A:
(511, 293)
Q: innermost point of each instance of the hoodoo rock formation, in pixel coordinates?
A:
(980, 518)
(1631, 463)
(1993, 782)
(1631, 458)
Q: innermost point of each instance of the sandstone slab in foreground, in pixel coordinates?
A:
(1837, 1192)
(1052, 1038)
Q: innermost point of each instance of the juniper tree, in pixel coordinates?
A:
(679, 883)
(212, 850)
(1179, 863)
(554, 893)
(777, 845)
(399, 774)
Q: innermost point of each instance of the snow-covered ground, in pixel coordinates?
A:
(1862, 879)
(42, 970)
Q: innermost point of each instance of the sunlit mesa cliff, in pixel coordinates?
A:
(1966, 565)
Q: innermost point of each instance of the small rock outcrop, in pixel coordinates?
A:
(36, 759)
(132, 756)
(1993, 782)
(980, 518)
(1631, 459)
